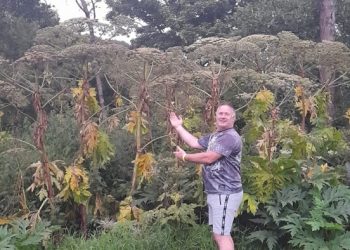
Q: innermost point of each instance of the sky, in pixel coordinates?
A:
(67, 9)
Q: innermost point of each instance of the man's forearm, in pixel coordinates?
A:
(207, 157)
(187, 137)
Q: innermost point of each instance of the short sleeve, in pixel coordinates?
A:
(204, 141)
(226, 144)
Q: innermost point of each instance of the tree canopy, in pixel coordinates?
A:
(19, 21)
(165, 24)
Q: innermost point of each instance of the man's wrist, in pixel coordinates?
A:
(183, 157)
(177, 127)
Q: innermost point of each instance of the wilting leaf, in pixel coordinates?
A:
(113, 122)
(89, 138)
(76, 183)
(299, 91)
(77, 92)
(118, 101)
(144, 163)
(127, 211)
(265, 96)
(347, 114)
(250, 203)
(134, 117)
(7, 220)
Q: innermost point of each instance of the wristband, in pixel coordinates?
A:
(183, 157)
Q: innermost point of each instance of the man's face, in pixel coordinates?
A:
(224, 118)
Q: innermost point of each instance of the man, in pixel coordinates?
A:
(221, 171)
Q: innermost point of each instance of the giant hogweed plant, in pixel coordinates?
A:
(95, 150)
(294, 176)
(312, 215)
(277, 152)
(272, 150)
(173, 195)
(21, 234)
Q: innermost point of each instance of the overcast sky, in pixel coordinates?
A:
(67, 9)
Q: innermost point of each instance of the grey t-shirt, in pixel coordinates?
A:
(224, 175)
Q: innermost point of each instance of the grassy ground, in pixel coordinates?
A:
(128, 236)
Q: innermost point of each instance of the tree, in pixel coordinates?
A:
(272, 17)
(32, 11)
(174, 23)
(19, 20)
(343, 21)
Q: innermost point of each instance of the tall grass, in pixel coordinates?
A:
(129, 236)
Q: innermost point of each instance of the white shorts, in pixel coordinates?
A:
(222, 210)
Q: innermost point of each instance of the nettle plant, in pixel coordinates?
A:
(293, 178)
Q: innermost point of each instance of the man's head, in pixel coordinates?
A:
(225, 117)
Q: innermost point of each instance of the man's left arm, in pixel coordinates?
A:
(207, 157)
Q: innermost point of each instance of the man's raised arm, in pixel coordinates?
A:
(186, 136)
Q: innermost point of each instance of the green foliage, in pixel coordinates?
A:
(283, 148)
(187, 20)
(323, 175)
(304, 215)
(193, 122)
(103, 151)
(340, 242)
(328, 142)
(256, 115)
(22, 235)
(131, 235)
(325, 222)
(32, 11)
(114, 177)
(277, 16)
(280, 145)
(265, 236)
(301, 197)
(320, 119)
(20, 20)
(170, 182)
(60, 139)
(249, 203)
(266, 176)
(294, 144)
(174, 214)
(16, 154)
(288, 172)
(76, 184)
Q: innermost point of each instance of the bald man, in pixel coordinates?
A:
(221, 158)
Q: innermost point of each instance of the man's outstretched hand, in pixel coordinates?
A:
(175, 121)
(179, 153)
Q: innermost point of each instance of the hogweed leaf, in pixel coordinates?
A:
(144, 163)
(134, 118)
(89, 135)
(294, 224)
(347, 114)
(290, 195)
(267, 236)
(249, 203)
(77, 92)
(118, 101)
(76, 183)
(265, 96)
